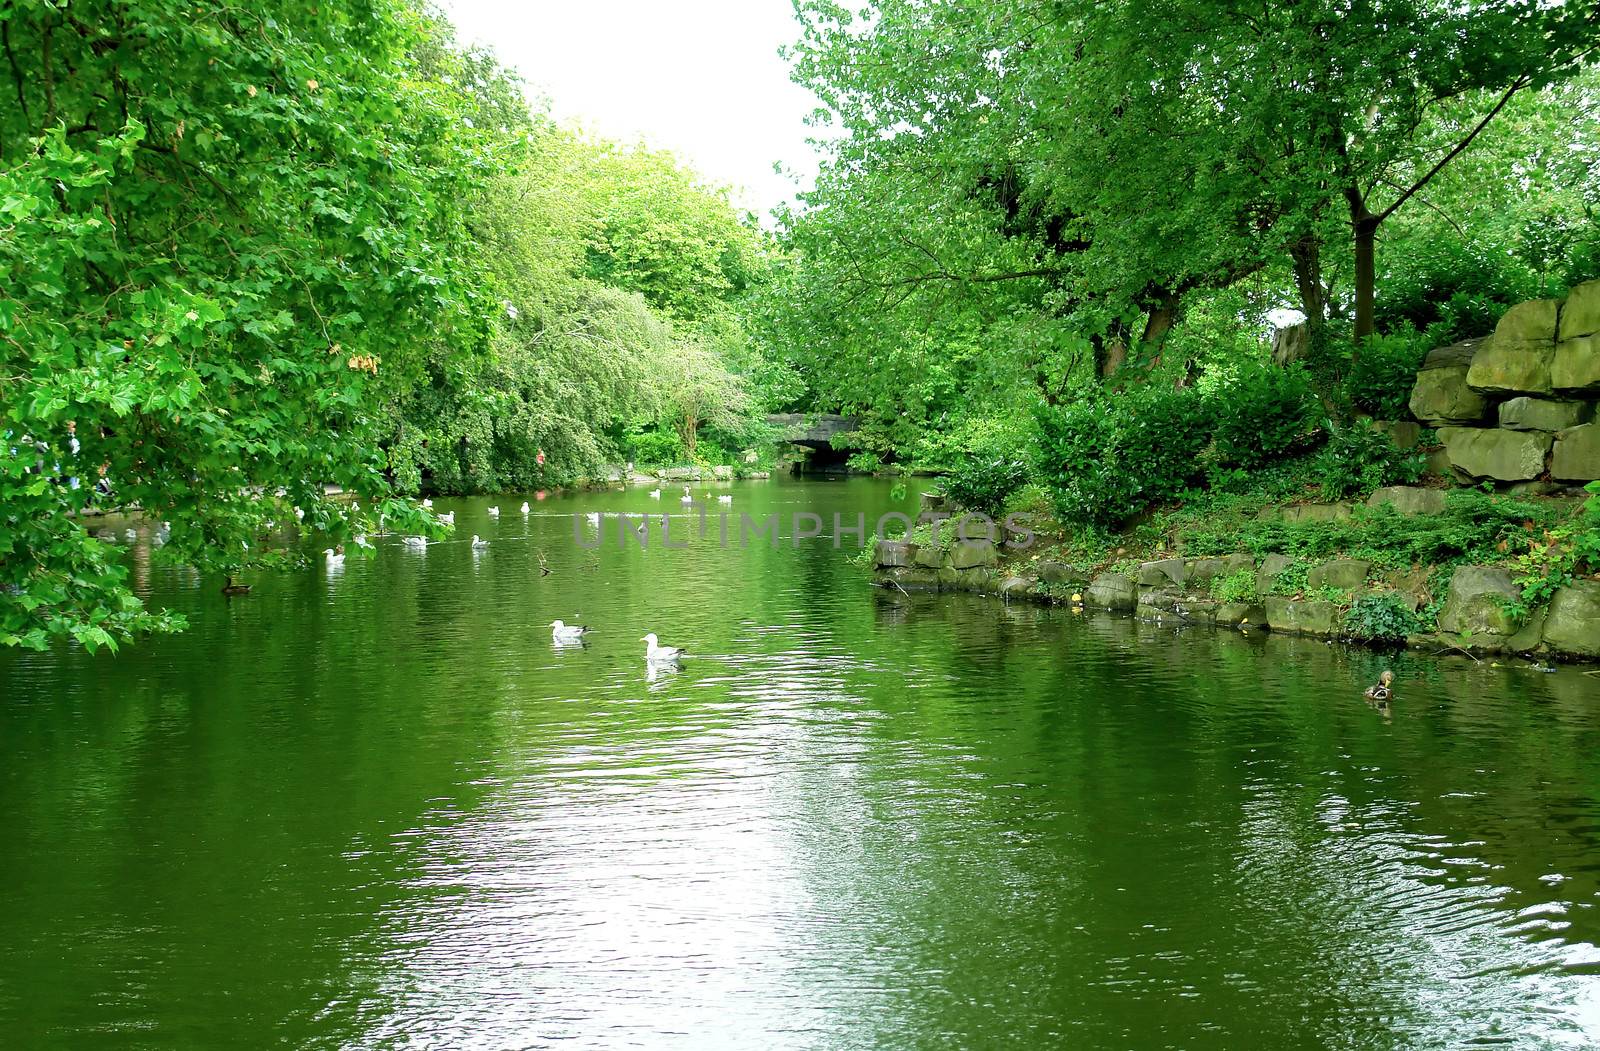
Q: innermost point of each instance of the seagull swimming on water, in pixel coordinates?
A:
(447, 517)
(658, 654)
(494, 512)
(655, 494)
(688, 498)
(416, 543)
(335, 558)
(524, 507)
(562, 632)
(478, 543)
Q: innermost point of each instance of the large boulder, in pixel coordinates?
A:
(1479, 596)
(893, 553)
(1580, 314)
(1488, 452)
(967, 554)
(1112, 591)
(1517, 359)
(1202, 571)
(1302, 616)
(1575, 369)
(1409, 500)
(1573, 622)
(1052, 572)
(1540, 414)
(1271, 568)
(1346, 574)
(1577, 454)
(1441, 394)
(1404, 433)
(1168, 571)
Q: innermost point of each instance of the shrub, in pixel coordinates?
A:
(1107, 458)
(1380, 617)
(985, 483)
(1457, 289)
(1358, 460)
(1239, 586)
(1562, 553)
(653, 446)
(1380, 378)
(1264, 415)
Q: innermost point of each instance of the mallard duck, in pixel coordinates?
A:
(231, 587)
(1381, 692)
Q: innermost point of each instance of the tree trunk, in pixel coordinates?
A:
(1111, 351)
(1364, 227)
(1307, 255)
(1160, 321)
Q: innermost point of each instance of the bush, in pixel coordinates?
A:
(1264, 415)
(1562, 553)
(1380, 378)
(1358, 460)
(1239, 586)
(1454, 288)
(1382, 617)
(1105, 458)
(652, 446)
(985, 483)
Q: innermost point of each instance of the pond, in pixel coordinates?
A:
(378, 807)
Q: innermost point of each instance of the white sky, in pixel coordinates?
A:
(701, 78)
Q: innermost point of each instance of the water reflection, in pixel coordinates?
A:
(384, 807)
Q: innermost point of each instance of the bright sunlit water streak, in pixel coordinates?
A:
(377, 807)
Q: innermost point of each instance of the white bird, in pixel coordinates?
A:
(657, 654)
(524, 507)
(655, 494)
(335, 558)
(687, 497)
(566, 632)
(417, 543)
(361, 540)
(478, 543)
(494, 512)
(593, 517)
(447, 517)
(299, 514)
(724, 499)
(427, 503)
(130, 536)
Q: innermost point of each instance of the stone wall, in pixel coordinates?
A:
(1519, 406)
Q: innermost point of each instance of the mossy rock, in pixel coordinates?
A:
(1346, 574)
(1163, 572)
(1112, 591)
(893, 553)
(1489, 452)
(1580, 314)
(966, 554)
(1479, 597)
(1302, 616)
(1242, 614)
(1409, 500)
(1441, 395)
(1052, 572)
(1572, 624)
(1575, 369)
(1577, 454)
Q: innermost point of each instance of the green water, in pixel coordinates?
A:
(377, 808)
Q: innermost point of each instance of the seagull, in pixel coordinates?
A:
(361, 540)
(567, 632)
(724, 499)
(299, 514)
(593, 517)
(494, 512)
(478, 543)
(417, 543)
(427, 503)
(335, 558)
(524, 507)
(655, 494)
(447, 517)
(655, 654)
(688, 498)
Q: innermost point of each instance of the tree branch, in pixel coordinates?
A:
(1516, 86)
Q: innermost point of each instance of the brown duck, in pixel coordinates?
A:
(1380, 693)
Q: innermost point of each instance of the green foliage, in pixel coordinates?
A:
(1380, 617)
(1292, 580)
(1358, 460)
(1452, 288)
(985, 483)
(1379, 381)
(1554, 558)
(228, 238)
(1239, 586)
(1106, 460)
(1264, 415)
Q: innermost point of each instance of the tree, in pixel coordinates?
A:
(226, 236)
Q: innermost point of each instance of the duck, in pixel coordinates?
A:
(494, 512)
(447, 517)
(524, 508)
(334, 558)
(478, 543)
(427, 503)
(232, 587)
(654, 653)
(655, 494)
(416, 543)
(563, 632)
(1381, 692)
(299, 514)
